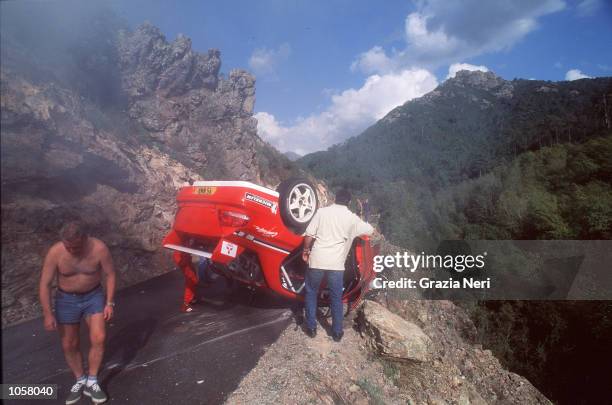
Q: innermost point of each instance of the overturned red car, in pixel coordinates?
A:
(252, 234)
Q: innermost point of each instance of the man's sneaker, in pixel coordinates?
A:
(186, 308)
(95, 392)
(75, 393)
(337, 336)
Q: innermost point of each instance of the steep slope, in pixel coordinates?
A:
(103, 124)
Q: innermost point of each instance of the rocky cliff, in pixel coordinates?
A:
(297, 369)
(104, 128)
(177, 96)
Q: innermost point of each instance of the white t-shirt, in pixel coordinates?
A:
(334, 229)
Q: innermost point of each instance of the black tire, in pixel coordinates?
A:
(303, 195)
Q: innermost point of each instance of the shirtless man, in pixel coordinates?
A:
(78, 261)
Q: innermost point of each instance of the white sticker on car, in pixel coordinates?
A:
(262, 201)
(229, 249)
(266, 232)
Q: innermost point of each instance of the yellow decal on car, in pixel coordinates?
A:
(204, 190)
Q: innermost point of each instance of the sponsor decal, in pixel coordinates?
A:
(262, 201)
(261, 242)
(266, 232)
(229, 249)
(205, 190)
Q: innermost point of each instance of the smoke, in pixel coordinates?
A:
(51, 26)
(70, 42)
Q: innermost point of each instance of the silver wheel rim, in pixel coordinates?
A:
(302, 202)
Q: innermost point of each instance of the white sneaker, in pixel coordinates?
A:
(95, 392)
(75, 393)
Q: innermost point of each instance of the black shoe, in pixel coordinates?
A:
(311, 332)
(337, 336)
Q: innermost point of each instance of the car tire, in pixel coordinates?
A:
(298, 203)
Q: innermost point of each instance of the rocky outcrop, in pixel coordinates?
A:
(462, 370)
(391, 336)
(150, 64)
(107, 135)
(479, 79)
(182, 103)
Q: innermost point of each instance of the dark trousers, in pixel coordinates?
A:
(334, 283)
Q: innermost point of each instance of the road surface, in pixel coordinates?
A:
(154, 353)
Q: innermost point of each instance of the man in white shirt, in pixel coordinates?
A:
(328, 239)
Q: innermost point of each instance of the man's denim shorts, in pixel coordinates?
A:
(71, 307)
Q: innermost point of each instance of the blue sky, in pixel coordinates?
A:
(326, 70)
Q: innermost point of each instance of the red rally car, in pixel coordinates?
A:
(253, 234)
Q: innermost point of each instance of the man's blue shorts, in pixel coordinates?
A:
(71, 307)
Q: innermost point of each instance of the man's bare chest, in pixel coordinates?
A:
(70, 266)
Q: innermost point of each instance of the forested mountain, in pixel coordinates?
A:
(485, 158)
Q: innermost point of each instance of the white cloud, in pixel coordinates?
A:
(373, 61)
(350, 112)
(575, 74)
(455, 67)
(264, 61)
(443, 31)
(588, 8)
(439, 32)
(269, 127)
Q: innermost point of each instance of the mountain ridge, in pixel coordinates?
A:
(496, 123)
(463, 130)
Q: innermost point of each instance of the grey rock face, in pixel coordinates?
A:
(179, 98)
(152, 65)
(485, 80)
(58, 165)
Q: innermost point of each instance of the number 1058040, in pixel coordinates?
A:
(29, 391)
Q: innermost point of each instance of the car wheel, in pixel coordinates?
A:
(298, 203)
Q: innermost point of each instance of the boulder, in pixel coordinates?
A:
(392, 336)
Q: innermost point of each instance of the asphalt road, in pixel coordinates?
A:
(154, 353)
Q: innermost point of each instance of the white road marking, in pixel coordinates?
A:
(284, 316)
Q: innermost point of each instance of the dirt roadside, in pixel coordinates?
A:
(299, 370)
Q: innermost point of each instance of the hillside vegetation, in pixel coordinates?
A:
(485, 158)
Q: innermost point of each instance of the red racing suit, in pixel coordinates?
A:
(183, 261)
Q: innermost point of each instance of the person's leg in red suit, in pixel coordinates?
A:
(183, 261)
